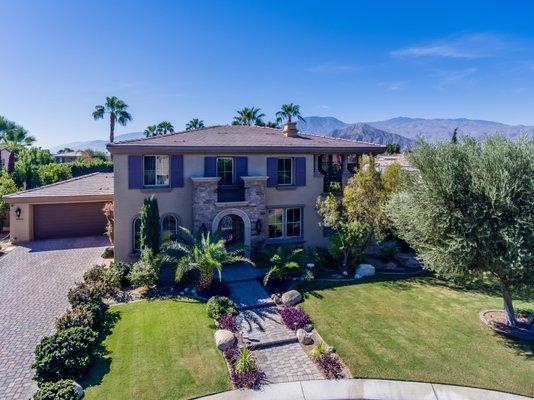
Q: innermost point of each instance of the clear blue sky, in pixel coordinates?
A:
(179, 60)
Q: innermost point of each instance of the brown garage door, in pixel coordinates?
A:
(68, 220)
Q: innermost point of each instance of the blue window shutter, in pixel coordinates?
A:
(300, 171)
(177, 171)
(241, 169)
(210, 167)
(135, 172)
(272, 171)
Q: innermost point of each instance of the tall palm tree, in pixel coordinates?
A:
(151, 130)
(195, 123)
(288, 111)
(165, 127)
(249, 116)
(14, 136)
(284, 261)
(116, 109)
(206, 254)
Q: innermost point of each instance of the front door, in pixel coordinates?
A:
(233, 229)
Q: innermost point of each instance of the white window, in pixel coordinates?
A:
(169, 228)
(285, 171)
(156, 170)
(285, 222)
(225, 170)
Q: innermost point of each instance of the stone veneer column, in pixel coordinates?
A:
(256, 208)
(204, 201)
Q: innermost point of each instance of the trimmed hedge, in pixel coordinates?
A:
(60, 390)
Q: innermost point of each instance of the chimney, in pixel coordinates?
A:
(290, 129)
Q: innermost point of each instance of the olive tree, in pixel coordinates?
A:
(469, 212)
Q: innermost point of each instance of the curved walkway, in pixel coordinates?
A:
(363, 389)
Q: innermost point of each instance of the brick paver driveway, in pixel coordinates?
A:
(34, 281)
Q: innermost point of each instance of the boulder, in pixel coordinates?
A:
(308, 327)
(304, 337)
(329, 349)
(291, 298)
(224, 339)
(276, 298)
(364, 270)
(79, 391)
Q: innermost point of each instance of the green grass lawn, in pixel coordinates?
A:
(417, 329)
(161, 349)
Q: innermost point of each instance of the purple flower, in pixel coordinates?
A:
(249, 379)
(294, 318)
(228, 321)
(330, 366)
(231, 355)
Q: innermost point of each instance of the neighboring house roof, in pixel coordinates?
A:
(243, 139)
(69, 154)
(92, 187)
(383, 160)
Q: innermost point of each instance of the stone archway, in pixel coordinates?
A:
(246, 221)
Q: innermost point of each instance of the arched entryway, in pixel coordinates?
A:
(235, 224)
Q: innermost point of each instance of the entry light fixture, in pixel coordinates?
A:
(18, 211)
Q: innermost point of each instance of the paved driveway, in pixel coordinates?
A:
(34, 280)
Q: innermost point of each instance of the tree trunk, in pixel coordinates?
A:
(346, 254)
(509, 311)
(204, 281)
(111, 128)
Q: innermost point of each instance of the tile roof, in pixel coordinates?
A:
(96, 184)
(384, 160)
(244, 137)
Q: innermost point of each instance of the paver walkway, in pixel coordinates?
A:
(274, 346)
(34, 281)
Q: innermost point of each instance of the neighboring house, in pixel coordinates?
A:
(69, 156)
(257, 185)
(7, 159)
(383, 160)
(63, 209)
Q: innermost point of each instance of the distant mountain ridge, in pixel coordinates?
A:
(401, 130)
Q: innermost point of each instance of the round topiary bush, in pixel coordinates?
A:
(60, 390)
(218, 306)
(64, 355)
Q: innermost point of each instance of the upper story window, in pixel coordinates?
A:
(285, 171)
(156, 170)
(285, 222)
(225, 170)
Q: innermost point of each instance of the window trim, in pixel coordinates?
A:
(156, 185)
(233, 183)
(284, 236)
(292, 170)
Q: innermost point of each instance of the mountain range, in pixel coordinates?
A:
(401, 130)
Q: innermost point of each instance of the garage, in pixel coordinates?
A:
(72, 208)
(51, 221)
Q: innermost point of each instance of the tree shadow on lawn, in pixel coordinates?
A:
(101, 364)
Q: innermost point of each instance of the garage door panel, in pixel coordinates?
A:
(68, 220)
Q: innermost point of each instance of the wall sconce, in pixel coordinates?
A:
(18, 211)
(258, 226)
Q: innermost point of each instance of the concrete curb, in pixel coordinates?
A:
(363, 389)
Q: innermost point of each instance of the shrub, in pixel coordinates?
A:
(123, 269)
(51, 173)
(78, 316)
(218, 306)
(60, 390)
(109, 214)
(143, 273)
(96, 311)
(7, 186)
(318, 351)
(244, 362)
(84, 167)
(150, 225)
(294, 317)
(82, 294)
(388, 252)
(330, 366)
(322, 258)
(64, 355)
(108, 252)
(228, 321)
(103, 280)
(231, 355)
(249, 379)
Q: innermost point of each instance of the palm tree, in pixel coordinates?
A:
(151, 130)
(195, 123)
(288, 111)
(117, 113)
(165, 127)
(284, 261)
(14, 136)
(249, 116)
(206, 254)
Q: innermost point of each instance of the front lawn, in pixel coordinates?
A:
(420, 330)
(160, 349)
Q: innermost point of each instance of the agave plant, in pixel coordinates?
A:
(284, 261)
(206, 253)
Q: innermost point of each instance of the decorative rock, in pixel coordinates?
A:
(329, 349)
(79, 391)
(291, 298)
(345, 273)
(308, 327)
(304, 337)
(277, 298)
(364, 270)
(224, 339)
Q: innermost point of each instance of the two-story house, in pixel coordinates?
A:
(255, 184)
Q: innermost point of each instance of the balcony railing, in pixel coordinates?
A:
(226, 194)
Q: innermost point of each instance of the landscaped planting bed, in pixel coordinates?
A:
(418, 329)
(158, 349)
